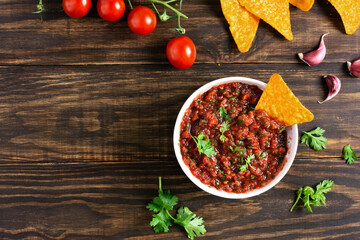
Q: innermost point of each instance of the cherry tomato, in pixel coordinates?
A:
(142, 20)
(111, 10)
(76, 8)
(181, 52)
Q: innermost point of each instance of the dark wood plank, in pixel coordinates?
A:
(116, 113)
(90, 40)
(107, 201)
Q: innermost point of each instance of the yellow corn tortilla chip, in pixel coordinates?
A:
(279, 102)
(243, 24)
(274, 12)
(304, 5)
(349, 10)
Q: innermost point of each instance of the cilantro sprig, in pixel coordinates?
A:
(225, 126)
(224, 113)
(314, 139)
(247, 164)
(162, 204)
(204, 146)
(349, 154)
(311, 197)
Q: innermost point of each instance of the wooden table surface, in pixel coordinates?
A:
(87, 111)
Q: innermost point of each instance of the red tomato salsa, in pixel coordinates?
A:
(227, 144)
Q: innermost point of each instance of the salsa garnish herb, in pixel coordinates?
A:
(161, 221)
(349, 154)
(224, 114)
(247, 164)
(314, 139)
(204, 146)
(237, 149)
(311, 197)
(282, 129)
(225, 126)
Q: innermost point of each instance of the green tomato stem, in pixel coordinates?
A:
(131, 7)
(166, 4)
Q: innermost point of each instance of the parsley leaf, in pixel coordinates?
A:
(247, 164)
(204, 146)
(225, 126)
(163, 219)
(311, 197)
(224, 114)
(193, 225)
(349, 154)
(314, 139)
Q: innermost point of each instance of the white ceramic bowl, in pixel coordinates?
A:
(292, 143)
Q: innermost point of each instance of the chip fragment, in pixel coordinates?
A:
(349, 11)
(274, 12)
(304, 5)
(243, 24)
(279, 102)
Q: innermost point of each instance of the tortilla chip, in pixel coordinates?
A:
(274, 12)
(279, 102)
(304, 5)
(349, 10)
(243, 24)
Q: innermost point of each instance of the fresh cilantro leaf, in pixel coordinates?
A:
(204, 146)
(349, 154)
(282, 129)
(193, 225)
(163, 219)
(241, 121)
(314, 139)
(161, 222)
(232, 98)
(237, 149)
(224, 114)
(164, 200)
(311, 197)
(225, 126)
(247, 164)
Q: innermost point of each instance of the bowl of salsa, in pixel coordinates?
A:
(225, 146)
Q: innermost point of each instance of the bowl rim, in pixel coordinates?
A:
(292, 142)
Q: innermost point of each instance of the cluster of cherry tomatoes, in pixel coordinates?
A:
(180, 51)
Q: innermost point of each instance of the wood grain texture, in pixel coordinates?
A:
(90, 40)
(109, 113)
(87, 111)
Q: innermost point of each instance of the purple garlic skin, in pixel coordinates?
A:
(354, 67)
(315, 57)
(334, 85)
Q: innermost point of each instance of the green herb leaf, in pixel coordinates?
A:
(349, 154)
(163, 219)
(193, 225)
(225, 126)
(247, 163)
(161, 222)
(241, 122)
(282, 129)
(237, 149)
(204, 146)
(224, 114)
(314, 139)
(232, 98)
(311, 197)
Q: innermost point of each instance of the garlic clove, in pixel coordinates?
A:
(334, 85)
(315, 57)
(354, 67)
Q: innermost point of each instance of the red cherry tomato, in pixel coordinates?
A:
(181, 52)
(111, 10)
(142, 20)
(76, 8)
